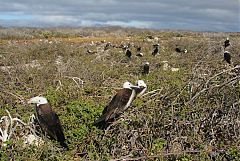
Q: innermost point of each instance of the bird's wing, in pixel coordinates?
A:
(50, 122)
(117, 104)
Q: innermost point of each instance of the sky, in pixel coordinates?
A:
(195, 15)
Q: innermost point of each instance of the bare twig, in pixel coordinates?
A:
(19, 97)
(79, 82)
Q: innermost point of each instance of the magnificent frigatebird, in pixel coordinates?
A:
(145, 68)
(139, 53)
(128, 53)
(119, 103)
(227, 57)
(226, 43)
(156, 49)
(48, 120)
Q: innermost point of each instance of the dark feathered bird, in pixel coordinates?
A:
(48, 120)
(119, 103)
(145, 68)
(128, 53)
(139, 49)
(156, 48)
(107, 46)
(227, 57)
(226, 43)
(139, 53)
(179, 50)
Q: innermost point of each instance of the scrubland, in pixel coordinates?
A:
(189, 114)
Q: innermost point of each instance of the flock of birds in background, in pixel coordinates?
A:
(49, 121)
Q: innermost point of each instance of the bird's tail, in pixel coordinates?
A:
(101, 123)
(64, 145)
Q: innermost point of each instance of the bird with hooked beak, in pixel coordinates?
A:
(120, 102)
(48, 120)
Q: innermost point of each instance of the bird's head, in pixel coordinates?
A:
(146, 63)
(128, 85)
(38, 100)
(142, 87)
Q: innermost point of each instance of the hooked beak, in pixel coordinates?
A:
(135, 87)
(142, 90)
(31, 101)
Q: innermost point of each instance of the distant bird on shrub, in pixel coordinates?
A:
(91, 52)
(48, 120)
(146, 68)
(128, 53)
(227, 57)
(139, 53)
(119, 103)
(156, 49)
(139, 49)
(107, 46)
(226, 43)
(179, 50)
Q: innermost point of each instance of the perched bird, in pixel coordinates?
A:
(179, 50)
(142, 88)
(119, 103)
(155, 45)
(128, 53)
(91, 52)
(107, 46)
(185, 51)
(226, 43)
(48, 120)
(139, 49)
(145, 68)
(156, 49)
(139, 53)
(227, 57)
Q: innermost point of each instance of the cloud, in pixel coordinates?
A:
(214, 15)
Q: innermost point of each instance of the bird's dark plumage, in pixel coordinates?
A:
(114, 108)
(119, 103)
(50, 123)
(227, 57)
(107, 46)
(178, 50)
(139, 49)
(146, 68)
(226, 43)
(48, 120)
(128, 53)
(155, 51)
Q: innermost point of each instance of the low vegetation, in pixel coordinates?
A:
(189, 114)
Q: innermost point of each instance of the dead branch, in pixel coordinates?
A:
(79, 82)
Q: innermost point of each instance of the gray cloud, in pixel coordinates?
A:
(204, 15)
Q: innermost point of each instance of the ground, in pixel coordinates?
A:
(191, 113)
